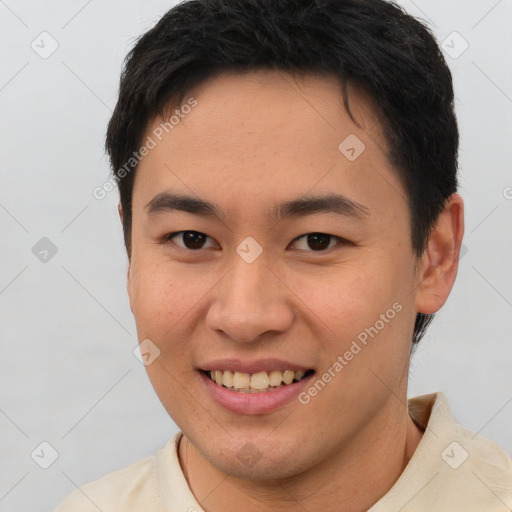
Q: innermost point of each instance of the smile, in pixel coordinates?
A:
(259, 382)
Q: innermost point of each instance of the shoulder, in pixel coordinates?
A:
(472, 471)
(469, 450)
(485, 460)
(129, 489)
(452, 468)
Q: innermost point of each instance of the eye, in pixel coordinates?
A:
(317, 242)
(192, 240)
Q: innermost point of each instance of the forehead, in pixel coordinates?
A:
(257, 137)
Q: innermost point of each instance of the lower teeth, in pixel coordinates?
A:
(250, 390)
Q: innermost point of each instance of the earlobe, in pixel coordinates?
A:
(120, 211)
(438, 265)
(128, 271)
(129, 285)
(128, 288)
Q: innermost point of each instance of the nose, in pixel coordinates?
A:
(250, 301)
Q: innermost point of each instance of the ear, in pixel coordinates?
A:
(439, 262)
(120, 211)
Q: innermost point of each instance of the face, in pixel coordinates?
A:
(260, 245)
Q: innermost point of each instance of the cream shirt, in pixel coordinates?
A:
(451, 470)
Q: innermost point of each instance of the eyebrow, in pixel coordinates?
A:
(301, 207)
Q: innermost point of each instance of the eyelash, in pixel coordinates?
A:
(340, 241)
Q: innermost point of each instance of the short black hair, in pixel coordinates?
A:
(373, 44)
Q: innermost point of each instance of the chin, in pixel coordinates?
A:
(269, 458)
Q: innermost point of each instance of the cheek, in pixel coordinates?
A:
(169, 303)
(349, 299)
(362, 317)
(164, 303)
(160, 297)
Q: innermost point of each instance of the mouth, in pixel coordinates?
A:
(260, 382)
(254, 387)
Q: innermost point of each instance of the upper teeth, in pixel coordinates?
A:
(261, 380)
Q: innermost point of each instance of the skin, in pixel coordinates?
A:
(252, 141)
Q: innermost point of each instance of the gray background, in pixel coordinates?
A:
(68, 373)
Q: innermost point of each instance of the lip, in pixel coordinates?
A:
(258, 365)
(254, 403)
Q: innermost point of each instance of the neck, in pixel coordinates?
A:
(357, 476)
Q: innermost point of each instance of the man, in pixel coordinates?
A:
(287, 175)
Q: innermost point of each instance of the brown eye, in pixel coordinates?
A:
(192, 240)
(316, 242)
